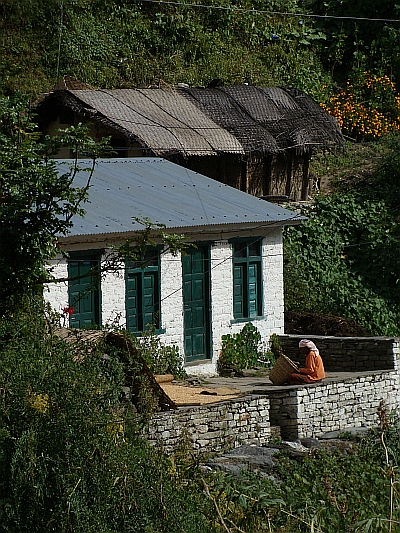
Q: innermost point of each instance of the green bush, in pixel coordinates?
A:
(344, 259)
(243, 350)
(327, 491)
(71, 455)
(161, 358)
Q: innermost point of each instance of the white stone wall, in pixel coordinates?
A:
(221, 305)
(56, 294)
(221, 295)
(113, 311)
(312, 410)
(350, 403)
(272, 251)
(299, 412)
(213, 427)
(171, 300)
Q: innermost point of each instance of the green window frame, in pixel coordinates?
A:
(142, 292)
(247, 279)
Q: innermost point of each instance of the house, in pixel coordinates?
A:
(233, 275)
(257, 139)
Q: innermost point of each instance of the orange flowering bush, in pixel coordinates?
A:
(368, 108)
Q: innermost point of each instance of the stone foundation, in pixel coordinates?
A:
(349, 400)
(213, 427)
(349, 354)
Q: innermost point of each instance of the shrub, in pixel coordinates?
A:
(161, 359)
(72, 458)
(243, 350)
(343, 260)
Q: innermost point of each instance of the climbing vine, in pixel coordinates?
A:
(344, 259)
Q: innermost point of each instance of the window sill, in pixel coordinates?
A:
(248, 319)
(140, 333)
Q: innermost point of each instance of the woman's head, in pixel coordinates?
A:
(306, 346)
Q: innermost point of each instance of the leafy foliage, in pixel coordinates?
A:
(245, 501)
(327, 490)
(344, 260)
(161, 358)
(124, 44)
(352, 45)
(71, 455)
(243, 350)
(368, 108)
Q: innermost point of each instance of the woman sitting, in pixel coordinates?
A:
(314, 367)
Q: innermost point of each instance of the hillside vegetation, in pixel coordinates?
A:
(124, 43)
(344, 260)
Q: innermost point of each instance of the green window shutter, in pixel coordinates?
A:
(238, 291)
(142, 298)
(150, 298)
(247, 293)
(132, 301)
(253, 292)
(84, 291)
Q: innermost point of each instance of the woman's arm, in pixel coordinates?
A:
(310, 364)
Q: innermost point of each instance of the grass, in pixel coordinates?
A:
(355, 161)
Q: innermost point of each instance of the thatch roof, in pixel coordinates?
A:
(238, 119)
(269, 118)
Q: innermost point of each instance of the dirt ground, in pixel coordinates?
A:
(314, 324)
(197, 395)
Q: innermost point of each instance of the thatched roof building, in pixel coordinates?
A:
(257, 139)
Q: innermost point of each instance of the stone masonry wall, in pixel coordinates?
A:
(312, 410)
(213, 427)
(337, 403)
(298, 412)
(349, 354)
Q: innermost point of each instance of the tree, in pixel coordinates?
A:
(360, 35)
(37, 204)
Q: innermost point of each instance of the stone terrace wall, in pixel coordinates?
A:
(349, 354)
(312, 410)
(213, 427)
(299, 411)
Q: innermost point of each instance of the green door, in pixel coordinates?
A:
(196, 301)
(84, 292)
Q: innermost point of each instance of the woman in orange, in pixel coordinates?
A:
(314, 367)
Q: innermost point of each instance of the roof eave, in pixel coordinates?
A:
(201, 233)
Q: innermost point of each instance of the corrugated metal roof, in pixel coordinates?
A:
(167, 194)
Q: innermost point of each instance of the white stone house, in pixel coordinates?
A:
(232, 276)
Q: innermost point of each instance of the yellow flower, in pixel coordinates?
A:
(39, 402)
(116, 429)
